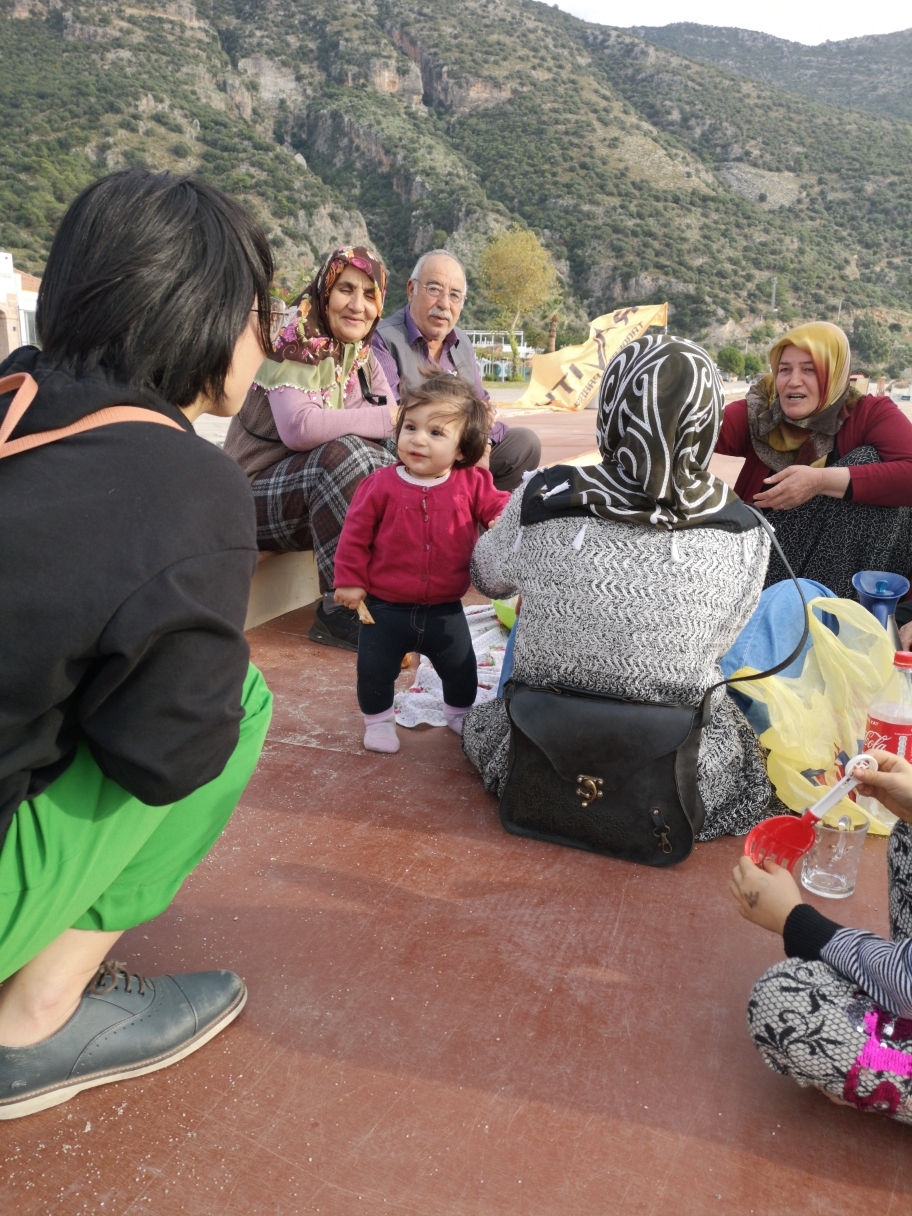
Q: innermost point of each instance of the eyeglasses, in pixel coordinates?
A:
(436, 292)
(278, 312)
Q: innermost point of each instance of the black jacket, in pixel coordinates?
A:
(126, 555)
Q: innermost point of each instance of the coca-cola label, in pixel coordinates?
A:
(888, 737)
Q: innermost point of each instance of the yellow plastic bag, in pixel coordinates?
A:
(817, 720)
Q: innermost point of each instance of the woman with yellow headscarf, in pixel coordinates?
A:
(831, 469)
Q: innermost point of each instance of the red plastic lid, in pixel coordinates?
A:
(903, 658)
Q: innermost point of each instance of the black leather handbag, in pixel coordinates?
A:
(610, 774)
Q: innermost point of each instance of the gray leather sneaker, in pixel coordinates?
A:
(125, 1026)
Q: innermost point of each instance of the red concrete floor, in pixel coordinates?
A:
(445, 1020)
(563, 434)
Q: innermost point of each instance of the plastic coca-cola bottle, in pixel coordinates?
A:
(889, 726)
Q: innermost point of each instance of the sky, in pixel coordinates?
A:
(810, 21)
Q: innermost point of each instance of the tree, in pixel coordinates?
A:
(900, 361)
(517, 274)
(552, 334)
(763, 333)
(752, 364)
(871, 341)
(730, 360)
(514, 357)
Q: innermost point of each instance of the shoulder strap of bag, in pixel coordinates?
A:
(255, 434)
(366, 391)
(770, 671)
(759, 675)
(27, 389)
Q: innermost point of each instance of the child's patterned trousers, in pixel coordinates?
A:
(812, 1024)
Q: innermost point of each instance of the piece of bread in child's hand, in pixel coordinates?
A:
(364, 615)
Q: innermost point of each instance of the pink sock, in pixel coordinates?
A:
(454, 717)
(380, 732)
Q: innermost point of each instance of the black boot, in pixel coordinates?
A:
(340, 628)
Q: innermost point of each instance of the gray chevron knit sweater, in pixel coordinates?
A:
(620, 614)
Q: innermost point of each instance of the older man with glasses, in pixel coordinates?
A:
(425, 332)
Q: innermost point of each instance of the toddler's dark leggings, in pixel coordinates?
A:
(439, 631)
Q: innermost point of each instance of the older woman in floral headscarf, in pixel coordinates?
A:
(317, 421)
(832, 469)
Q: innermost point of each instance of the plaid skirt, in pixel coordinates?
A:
(817, 1027)
(301, 502)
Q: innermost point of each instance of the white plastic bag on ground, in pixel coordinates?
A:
(423, 702)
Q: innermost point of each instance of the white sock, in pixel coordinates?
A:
(380, 732)
(454, 717)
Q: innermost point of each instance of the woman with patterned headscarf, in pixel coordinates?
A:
(637, 573)
(832, 469)
(317, 421)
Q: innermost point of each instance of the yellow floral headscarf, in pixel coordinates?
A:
(780, 441)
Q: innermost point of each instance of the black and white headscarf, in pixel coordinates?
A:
(659, 412)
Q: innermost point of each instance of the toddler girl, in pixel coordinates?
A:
(405, 550)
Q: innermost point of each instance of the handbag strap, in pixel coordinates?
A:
(770, 671)
(27, 388)
(257, 435)
(366, 390)
(759, 675)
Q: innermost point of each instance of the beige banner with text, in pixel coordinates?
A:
(569, 378)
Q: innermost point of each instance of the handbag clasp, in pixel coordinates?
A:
(588, 788)
(661, 830)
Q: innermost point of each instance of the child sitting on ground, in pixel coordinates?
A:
(405, 550)
(837, 1014)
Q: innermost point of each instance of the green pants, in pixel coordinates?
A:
(87, 855)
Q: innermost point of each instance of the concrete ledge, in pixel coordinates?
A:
(282, 582)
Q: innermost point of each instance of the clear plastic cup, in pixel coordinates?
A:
(830, 868)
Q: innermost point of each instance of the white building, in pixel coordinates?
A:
(494, 353)
(498, 341)
(18, 303)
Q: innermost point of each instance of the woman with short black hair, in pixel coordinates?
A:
(130, 717)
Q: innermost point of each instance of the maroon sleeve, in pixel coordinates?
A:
(877, 422)
(356, 542)
(489, 501)
(734, 436)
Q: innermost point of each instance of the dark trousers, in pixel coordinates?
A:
(439, 631)
(517, 453)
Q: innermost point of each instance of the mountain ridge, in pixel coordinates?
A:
(830, 72)
(645, 173)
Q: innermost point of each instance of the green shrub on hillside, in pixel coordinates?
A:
(730, 360)
(871, 341)
(900, 360)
